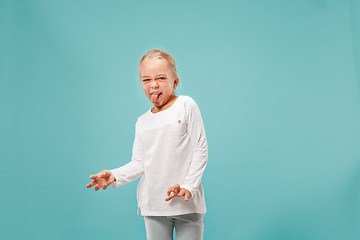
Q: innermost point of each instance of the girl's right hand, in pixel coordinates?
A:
(101, 180)
(176, 191)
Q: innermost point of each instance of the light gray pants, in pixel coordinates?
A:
(187, 227)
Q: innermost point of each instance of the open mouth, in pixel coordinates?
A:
(155, 97)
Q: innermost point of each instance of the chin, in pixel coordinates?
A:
(158, 105)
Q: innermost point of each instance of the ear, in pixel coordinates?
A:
(176, 82)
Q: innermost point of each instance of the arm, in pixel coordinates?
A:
(198, 140)
(135, 168)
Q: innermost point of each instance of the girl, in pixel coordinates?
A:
(169, 154)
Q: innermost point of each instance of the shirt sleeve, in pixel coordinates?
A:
(135, 168)
(198, 141)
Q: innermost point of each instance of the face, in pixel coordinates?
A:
(158, 83)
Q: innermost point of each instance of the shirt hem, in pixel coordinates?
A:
(157, 213)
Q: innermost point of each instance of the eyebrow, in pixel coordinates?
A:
(158, 75)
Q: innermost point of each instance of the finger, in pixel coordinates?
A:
(170, 197)
(187, 196)
(97, 187)
(103, 173)
(93, 176)
(169, 191)
(90, 184)
(181, 193)
(104, 186)
(176, 187)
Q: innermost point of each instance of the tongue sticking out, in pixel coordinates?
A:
(155, 97)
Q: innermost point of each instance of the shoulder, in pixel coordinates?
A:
(190, 106)
(188, 101)
(144, 118)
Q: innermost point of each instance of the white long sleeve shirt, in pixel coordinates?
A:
(170, 147)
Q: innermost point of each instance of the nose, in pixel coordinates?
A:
(154, 84)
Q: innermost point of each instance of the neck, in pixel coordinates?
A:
(171, 101)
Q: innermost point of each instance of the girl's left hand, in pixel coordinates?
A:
(176, 191)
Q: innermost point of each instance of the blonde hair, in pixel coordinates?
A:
(159, 54)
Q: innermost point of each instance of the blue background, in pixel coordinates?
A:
(277, 83)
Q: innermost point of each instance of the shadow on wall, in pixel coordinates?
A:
(354, 8)
(352, 198)
(300, 223)
(355, 30)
